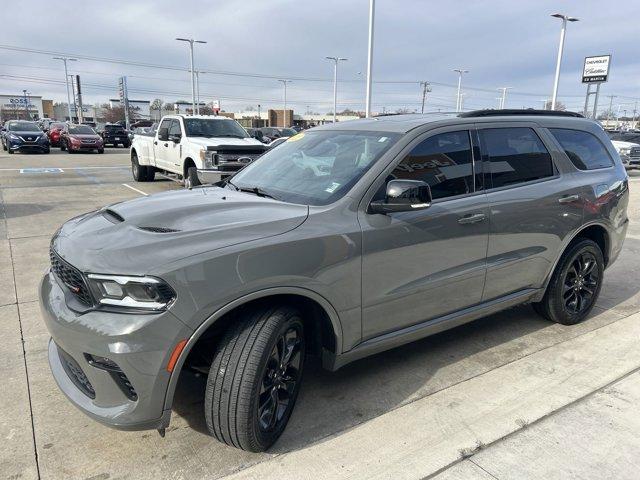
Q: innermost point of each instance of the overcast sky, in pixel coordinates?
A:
(503, 43)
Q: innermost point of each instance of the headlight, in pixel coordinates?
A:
(13, 137)
(625, 151)
(208, 159)
(137, 293)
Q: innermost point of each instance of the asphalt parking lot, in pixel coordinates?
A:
(509, 396)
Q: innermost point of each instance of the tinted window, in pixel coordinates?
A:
(174, 129)
(515, 155)
(81, 130)
(444, 161)
(583, 149)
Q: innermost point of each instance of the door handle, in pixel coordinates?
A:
(166, 144)
(568, 198)
(475, 218)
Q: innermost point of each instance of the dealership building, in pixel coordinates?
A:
(13, 107)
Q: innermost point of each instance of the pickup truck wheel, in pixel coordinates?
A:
(575, 284)
(192, 180)
(255, 377)
(151, 174)
(138, 171)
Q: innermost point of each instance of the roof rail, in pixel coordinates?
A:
(513, 111)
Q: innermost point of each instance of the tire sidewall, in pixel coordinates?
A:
(265, 439)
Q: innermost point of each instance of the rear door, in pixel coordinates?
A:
(423, 264)
(533, 206)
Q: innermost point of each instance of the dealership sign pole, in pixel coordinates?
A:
(596, 70)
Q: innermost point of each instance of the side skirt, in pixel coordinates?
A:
(390, 340)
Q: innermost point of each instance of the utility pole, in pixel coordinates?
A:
(79, 111)
(66, 81)
(633, 120)
(556, 81)
(460, 71)
(426, 87)
(503, 98)
(26, 105)
(197, 73)
(335, 83)
(75, 106)
(611, 97)
(372, 9)
(284, 112)
(191, 41)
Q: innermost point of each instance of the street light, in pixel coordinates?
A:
(564, 19)
(197, 73)
(66, 81)
(503, 99)
(191, 41)
(335, 82)
(458, 100)
(372, 10)
(284, 116)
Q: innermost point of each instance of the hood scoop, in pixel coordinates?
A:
(159, 229)
(112, 216)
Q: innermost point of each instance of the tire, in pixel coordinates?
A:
(137, 171)
(575, 284)
(4, 147)
(101, 150)
(245, 378)
(191, 180)
(9, 151)
(151, 174)
(62, 146)
(48, 150)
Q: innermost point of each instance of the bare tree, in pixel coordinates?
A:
(561, 107)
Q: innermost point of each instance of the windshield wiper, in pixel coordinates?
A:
(255, 190)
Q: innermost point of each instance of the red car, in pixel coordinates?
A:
(77, 138)
(54, 133)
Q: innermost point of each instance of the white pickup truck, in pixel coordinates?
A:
(199, 149)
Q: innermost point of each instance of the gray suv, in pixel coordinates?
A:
(345, 241)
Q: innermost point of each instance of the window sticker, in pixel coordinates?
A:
(332, 188)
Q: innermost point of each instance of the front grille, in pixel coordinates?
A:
(635, 152)
(76, 374)
(88, 142)
(236, 157)
(71, 277)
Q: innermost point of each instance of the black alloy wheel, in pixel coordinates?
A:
(280, 380)
(580, 283)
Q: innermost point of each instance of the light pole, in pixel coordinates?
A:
(335, 82)
(426, 87)
(197, 73)
(458, 100)
(565, 19)
(284, 116)
(611, 97)
(191, 41)
(66, 80)
(503, 98)
(372, 9)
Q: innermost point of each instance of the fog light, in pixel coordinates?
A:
(103, 363)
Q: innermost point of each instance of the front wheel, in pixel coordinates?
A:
(255, 377)
(191, 180)
(575, 284)
(63, 147)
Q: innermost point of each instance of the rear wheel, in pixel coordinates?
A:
(63, 147)
(575, 285)
(101, 150)
(255, 377)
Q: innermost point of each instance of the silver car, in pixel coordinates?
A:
(345, 241)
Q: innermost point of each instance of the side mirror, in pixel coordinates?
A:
(403, 196)
(163, 134)
(175, 138)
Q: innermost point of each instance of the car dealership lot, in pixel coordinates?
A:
(407, 413)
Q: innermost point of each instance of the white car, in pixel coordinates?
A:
(629, 153)
(199, 149)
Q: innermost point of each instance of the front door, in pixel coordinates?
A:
(424, 264)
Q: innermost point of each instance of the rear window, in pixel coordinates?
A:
(584, 149)
(515, 155)
(113, 128)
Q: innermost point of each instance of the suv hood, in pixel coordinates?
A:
(137, 236)
(618, 144)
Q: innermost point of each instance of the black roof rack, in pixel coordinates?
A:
(513, 111)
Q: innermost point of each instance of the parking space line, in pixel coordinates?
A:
(68, 168)
(136, 190)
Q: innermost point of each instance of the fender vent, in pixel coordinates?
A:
(159, 229)
(112, 216)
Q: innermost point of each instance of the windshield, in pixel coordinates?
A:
(23, 127)
(314, 168)
(209, 127)
(114, 127)
(58, 126)
(81, 130)
(287, 132)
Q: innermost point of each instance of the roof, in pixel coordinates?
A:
(403, 123)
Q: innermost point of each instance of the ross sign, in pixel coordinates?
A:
(596, 69)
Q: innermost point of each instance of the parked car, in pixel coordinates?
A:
(200, 149)
(277, 141)
(628, 146)
(275, 132)
(138, 131)
(78, 138)
(54, 131)
(115, 134)
(24, 136)
(257, 134)
(353, 239)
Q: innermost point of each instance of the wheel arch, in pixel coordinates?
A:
(325, 325)
(188, 163)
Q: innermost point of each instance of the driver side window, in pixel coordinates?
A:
(174, 129)
(444, 161)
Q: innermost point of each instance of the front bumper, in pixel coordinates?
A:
(28, 147)
(207, 177)
(140, 345)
